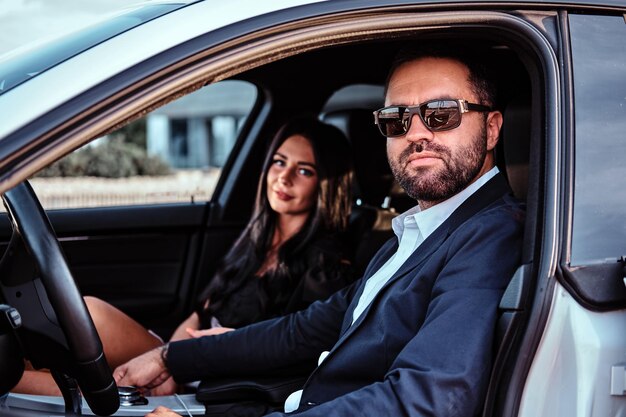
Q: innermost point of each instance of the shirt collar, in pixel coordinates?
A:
(429, 220)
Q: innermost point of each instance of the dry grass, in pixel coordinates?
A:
(183, 186)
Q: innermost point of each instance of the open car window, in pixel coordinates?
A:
(174, 154)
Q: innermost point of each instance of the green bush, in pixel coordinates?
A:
(112, 159)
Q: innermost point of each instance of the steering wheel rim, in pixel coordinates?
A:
(89, 366)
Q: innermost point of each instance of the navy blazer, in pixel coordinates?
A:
(422, 348)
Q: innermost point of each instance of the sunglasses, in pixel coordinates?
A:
(437, 116)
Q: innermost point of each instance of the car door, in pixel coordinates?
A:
(579, 368)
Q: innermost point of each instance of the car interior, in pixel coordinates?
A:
(152, 261)
(378, 198)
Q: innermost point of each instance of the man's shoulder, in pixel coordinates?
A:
(506, 214)
(507, 205)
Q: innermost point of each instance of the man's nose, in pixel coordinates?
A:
(418, 131)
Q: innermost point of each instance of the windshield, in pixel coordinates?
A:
(15, 69)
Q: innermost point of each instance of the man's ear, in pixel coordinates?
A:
(494, 123)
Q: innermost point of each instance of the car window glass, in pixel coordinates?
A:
(174, 154)
(16, 69)
(599, 63)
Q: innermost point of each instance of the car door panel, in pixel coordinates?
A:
(140, 273)
(144, 260)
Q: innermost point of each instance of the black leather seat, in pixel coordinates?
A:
(372, 172)
(370, 222)
(514, 147)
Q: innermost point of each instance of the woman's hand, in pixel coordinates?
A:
(207, 332)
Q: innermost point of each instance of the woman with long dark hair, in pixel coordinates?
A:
(291, 241)
(289, 255)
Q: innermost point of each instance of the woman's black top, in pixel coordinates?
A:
(325, 271)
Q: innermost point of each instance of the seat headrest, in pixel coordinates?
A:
(371, 169)
(515, 138)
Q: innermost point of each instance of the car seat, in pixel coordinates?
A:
(370, 221)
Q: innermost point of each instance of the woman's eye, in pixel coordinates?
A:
(278, 162)
(306, 172)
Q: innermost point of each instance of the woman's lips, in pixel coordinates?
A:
(282, 196)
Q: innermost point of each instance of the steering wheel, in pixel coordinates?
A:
(57, 331)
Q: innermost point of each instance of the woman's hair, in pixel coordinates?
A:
(329, 214)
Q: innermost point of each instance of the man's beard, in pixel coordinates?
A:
(437, 184)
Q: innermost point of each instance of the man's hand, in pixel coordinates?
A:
(161, 411)
(146, 371)
(169, 387)
(208, 332)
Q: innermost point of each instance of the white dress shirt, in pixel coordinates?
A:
(411, 228)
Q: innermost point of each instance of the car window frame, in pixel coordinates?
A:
(588, 282)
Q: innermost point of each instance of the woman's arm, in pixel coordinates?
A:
(192, 322)
(208, 332)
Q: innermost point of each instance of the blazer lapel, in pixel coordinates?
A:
(494, 189)
(483, 197)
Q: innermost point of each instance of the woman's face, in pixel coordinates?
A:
(292, 177)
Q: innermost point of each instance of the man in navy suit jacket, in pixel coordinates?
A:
(414, 336)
